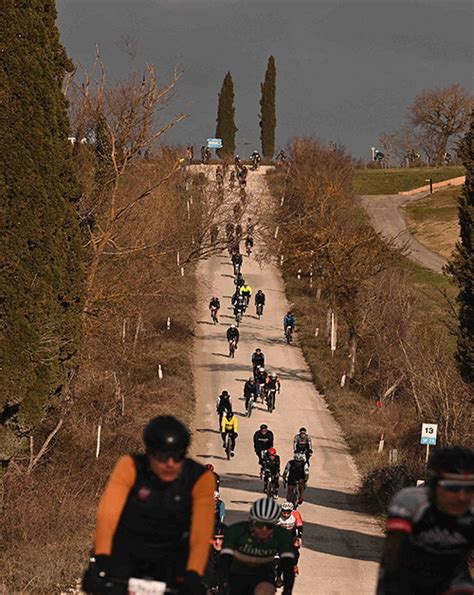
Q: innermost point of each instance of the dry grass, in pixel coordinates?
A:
(48, 515)
(434, 220)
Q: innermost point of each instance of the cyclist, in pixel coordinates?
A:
(219, 177)
(302, 442)
(207, 154)
(219, 507)
(430, 529)
(232, 179)
(258, 359)
(211, 576)
(249, 550)
(250, 390)
(248, 245)
(238, 231)
(156, 515)
(290, 519)
(272, 382)
(237, 162)
(296, 473)
(238, 282)
(260, 379)
(240, 306)
(233, 334)
(223, 405)
(262, 441)
(246, 292)
(289, 321)
(229, 425)
(255, 159)
(236, 262)
(259, 301)
(214, 306)
(217, 477)
(229, 231)
(242, 175)
(271, 469)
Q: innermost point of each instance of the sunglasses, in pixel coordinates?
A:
(455, 488)
(218, 538)
(260, 525)
(163, 457)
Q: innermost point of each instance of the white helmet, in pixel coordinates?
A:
(216, 495)
(265, 510)
(273, 375)
(261, 369)
(287, 506)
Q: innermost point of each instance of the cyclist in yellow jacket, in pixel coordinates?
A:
(246, 292)
(229, 425)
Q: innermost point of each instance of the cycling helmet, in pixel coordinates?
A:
(229, 415)
(165, 433)
(225, 393)
(232, 326)
(265, 510)
(220, 529)
(251, 379)
(264, 427)
(209, 467)
(261, 369)
(302, 430)
(289, 313)
(273, 375)
(287, 507)
(451, 465)
(216, 495)
(272, 451)
(299, 456)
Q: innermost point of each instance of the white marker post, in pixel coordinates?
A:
(429, 433)
(160, 372)
(277, 229)
(168, 323)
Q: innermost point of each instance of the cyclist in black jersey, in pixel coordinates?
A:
(430, 530)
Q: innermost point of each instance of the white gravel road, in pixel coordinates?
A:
(341, 545)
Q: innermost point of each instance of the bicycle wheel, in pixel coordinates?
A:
(227, 446)
(250, 407)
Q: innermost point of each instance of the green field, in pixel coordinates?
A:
(392, 181)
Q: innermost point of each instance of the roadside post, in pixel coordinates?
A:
(430, 180)
(429, 433)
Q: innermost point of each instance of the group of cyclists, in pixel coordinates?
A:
(161, 518)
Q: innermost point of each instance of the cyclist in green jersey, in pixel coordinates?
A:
(249, 551)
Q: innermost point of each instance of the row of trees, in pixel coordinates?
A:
(392, 351)
(226, 128)
(434, 124)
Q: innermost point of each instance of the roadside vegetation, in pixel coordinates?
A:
(434, 220)
(145, 222)
(392, 323)
(401, 179)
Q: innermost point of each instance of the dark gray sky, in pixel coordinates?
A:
(346, 69)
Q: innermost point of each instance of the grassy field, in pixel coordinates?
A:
(434, 220)
(392, 181)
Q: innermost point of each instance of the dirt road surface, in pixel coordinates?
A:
(387, 218)
(341, 545)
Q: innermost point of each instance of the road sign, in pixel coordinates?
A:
(428, 434)
(214, 143)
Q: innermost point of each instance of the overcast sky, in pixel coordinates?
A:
(346, 69)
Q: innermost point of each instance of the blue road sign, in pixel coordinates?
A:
(428, 440)
(214, 143)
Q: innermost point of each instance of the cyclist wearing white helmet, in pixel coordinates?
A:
(296, 473)
(291, 520)
(249, 550)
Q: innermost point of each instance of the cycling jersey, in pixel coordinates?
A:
(289, 321)
(233, 333)
(296, 471)
(272, 464)
(229, 425)
(272, 383)
(224, 403)
(141, 518)
(426, 550)
(246, 290)
(294, 523)
(260, 298)
(214, 304)
(262, 441)
(302, 444)
(250, 554)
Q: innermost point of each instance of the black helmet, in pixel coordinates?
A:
(165, 433)
(220, 529)
(454, 464)
(225, 393)
(264, 427)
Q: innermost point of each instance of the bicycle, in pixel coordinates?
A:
(141, 586)
(269, 484)
(232, 348)
(271, 398)
(296, 493)
(250, 406)
(289, 334)
(214, 318)
(248, 247)
(238, 317)
(259, 310)
(228, 445)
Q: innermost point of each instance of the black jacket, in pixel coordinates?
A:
(262, 441)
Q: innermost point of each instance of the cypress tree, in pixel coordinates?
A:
(42, 281)
(268, 110)
(226, 128)
(461, 266)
